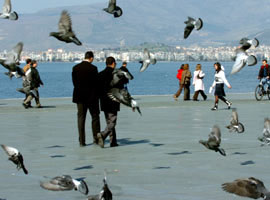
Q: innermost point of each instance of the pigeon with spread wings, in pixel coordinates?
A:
(6, 11)
(65, 32)
(65, 182)
(15, 156)
(214, 141)
(191, 24)
(12, 61)
(247, 187)
(113, 9)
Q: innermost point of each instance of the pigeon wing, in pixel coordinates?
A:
(188, 30)
(6, 7)
(144, 66)
(65, 24)
(240, 61)
(10, 150)
(111, 5)
(146, 54)
(234, 120)
(14, 55)
(215, 136)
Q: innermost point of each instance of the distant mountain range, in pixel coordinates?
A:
(153, 21)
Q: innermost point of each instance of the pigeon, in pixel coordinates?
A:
(113, 9)
(147, 60)
(12, 61)
(65, 32)
(214, 141)
(265, 139)
(123, 96)
(247, 187)
(118, 75)
(191, 24)
(6, 11)
(65, 182)
(235, 124)
(242, 58)
(15, 156)
(105, 193)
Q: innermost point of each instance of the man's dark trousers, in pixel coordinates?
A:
(82, 110)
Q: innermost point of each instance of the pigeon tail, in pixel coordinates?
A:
(24, 170)
(221, 151)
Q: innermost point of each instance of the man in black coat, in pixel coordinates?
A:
(124, 68)
(85, 95)
(109, 106)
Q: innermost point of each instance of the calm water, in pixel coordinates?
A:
(159, 79)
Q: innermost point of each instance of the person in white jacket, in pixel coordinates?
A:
(198, 83)
(218, 84)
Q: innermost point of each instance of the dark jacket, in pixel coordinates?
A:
(105, 78)
(261, 72)
(85, 82)
(35, 78)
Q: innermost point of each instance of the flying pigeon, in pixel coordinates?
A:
(12, 61)
(105, 193)
(265, 139)
(214, 141)
(242, 58)
(235, 124)
(147, 60)
(65, 32)
(15, 156)
(247, 187)
(65, 182)
(118, 75)
(123, 96)
(113, 9)
(191, 24)
(6, 11)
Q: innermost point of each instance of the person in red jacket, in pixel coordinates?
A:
(179, 76)
(264, 73)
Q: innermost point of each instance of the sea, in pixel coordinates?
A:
(158, 79)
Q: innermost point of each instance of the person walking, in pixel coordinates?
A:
(35, 81)
(25, 81)
(185, 81)
(86, 96)
(218, 84)
(108, 106)
(178, 76)
(198, 76)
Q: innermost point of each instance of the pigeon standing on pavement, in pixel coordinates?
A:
(65, 182)
(105, 193)
(65, 32)
(123, 96)
(147, 60)
(191, 24)
(265, 139)
(247, 187)
(6, 11)
(235, 125)
(15, 156)
(12, 61)
(113, 9)
(242, 58)
(214, 141)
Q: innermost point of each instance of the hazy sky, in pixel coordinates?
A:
(30, 6)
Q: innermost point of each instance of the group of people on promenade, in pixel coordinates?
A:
(91, 93)
(184, 76)
(31, 83)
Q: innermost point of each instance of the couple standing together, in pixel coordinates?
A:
(90, 88)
